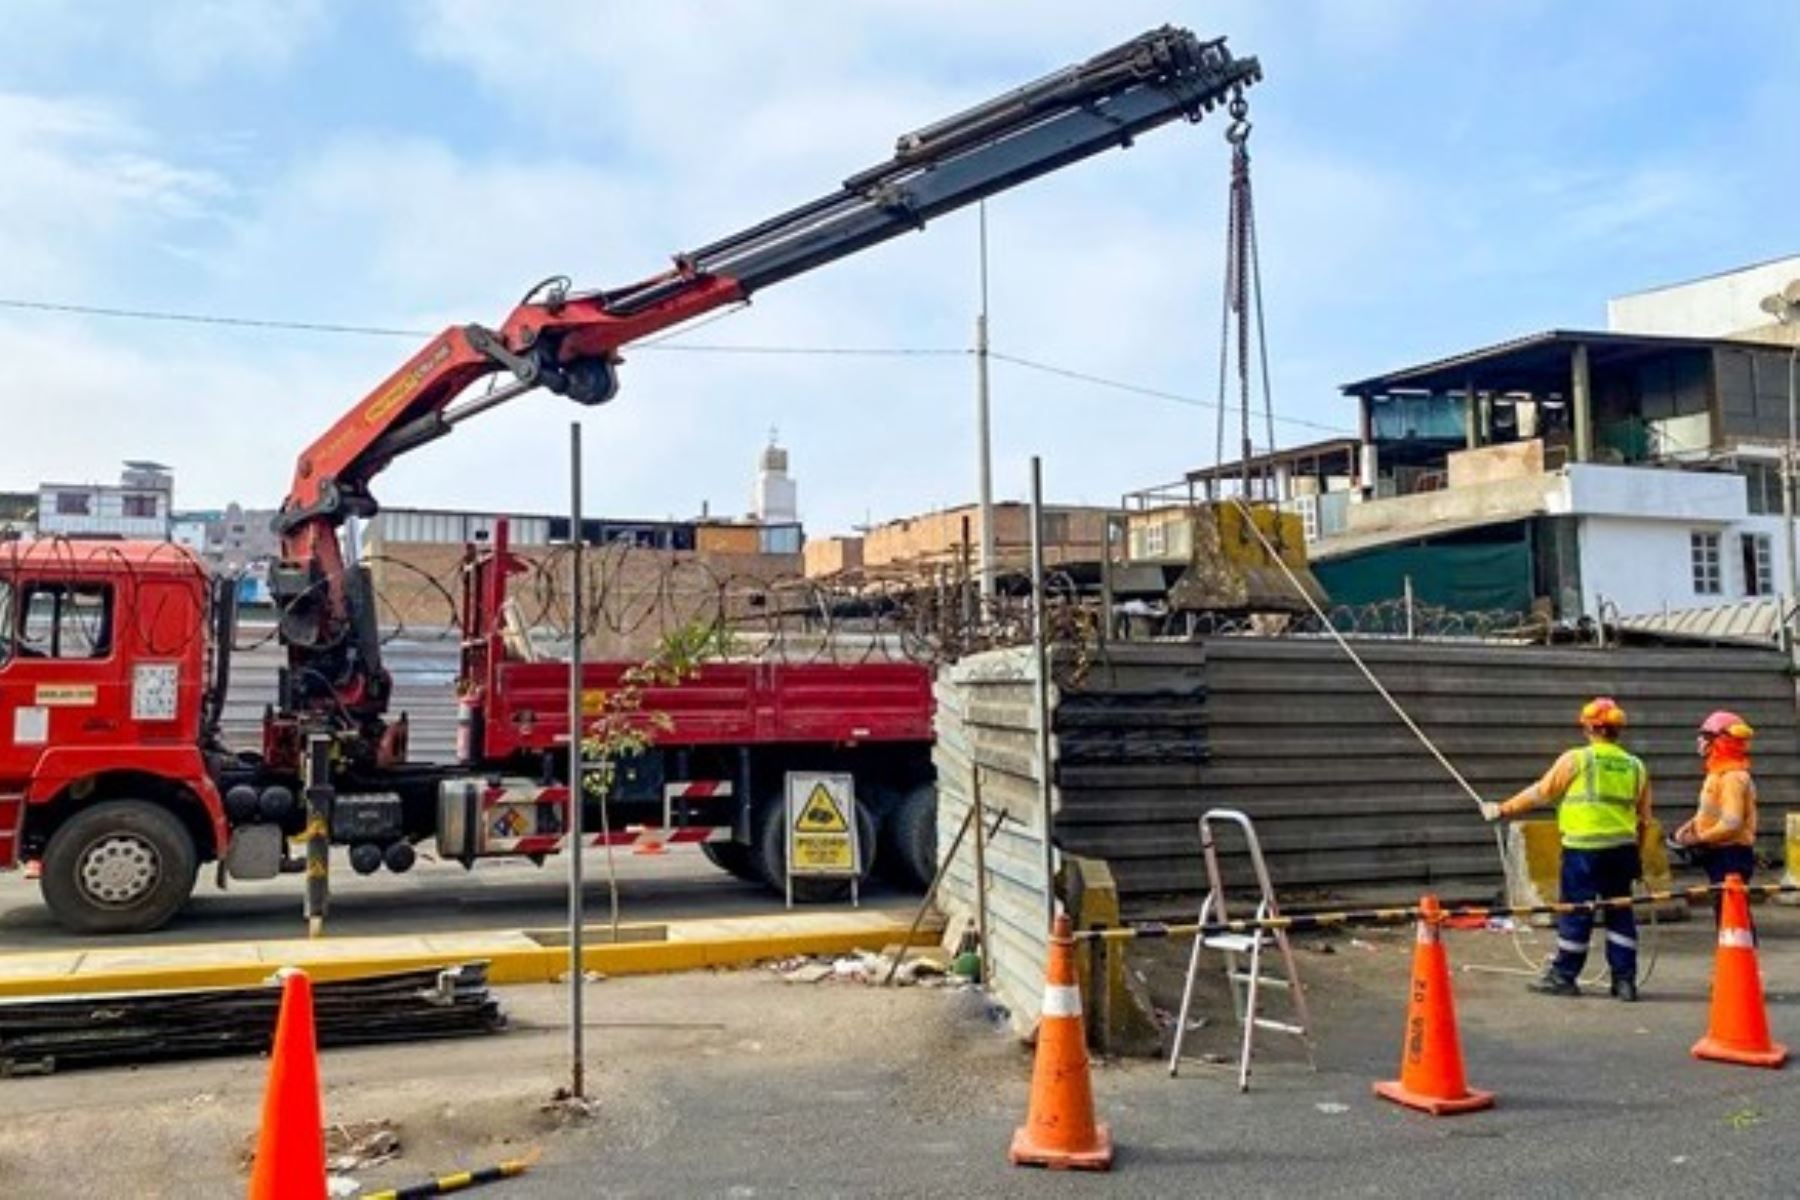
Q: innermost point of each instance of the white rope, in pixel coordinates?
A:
(1506, 871)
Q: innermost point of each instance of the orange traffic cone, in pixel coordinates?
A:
(1059, 1129)
(290, 1149)
(1431, 1063)
(1739, 1029)
(651, 847)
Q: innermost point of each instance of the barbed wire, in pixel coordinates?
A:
(54, 602)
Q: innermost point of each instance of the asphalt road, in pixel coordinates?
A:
(737, 1084)
(434, 896)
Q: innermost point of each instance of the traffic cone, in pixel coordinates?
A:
(1060, 1130)
(1431, 1062)
(290, 1147)
(649, 844)
(1739, 1029)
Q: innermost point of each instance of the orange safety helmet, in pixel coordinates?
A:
(1603, 711)
(1727, 724)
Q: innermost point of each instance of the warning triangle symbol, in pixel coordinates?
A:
(821, 814)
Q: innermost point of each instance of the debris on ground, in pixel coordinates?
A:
(360, 1145)
(869, 968)
(568, 1108)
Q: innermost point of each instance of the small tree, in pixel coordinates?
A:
(623, 727)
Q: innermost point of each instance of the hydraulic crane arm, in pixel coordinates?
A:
(568, 342)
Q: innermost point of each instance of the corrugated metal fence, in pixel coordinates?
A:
(986, 721)
(1344, 797)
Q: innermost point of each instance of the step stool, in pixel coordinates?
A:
(1245, 985)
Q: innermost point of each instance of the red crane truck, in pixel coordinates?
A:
(114, 656)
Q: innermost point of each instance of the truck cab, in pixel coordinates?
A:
(106, 679)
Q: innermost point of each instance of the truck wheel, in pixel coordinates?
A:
(734, 858)
(125, 866)
(909, 838)
(770, 855)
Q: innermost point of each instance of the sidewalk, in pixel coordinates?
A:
(516, 956)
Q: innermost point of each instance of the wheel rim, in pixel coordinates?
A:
(119, 870)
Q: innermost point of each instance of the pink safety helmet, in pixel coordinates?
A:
(1727, 724)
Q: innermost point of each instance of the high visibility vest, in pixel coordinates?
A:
(1600, 808)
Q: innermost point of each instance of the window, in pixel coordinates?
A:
(1762, 483)
(1703, 550)
(72, 504)
(60, 620)
(1156, 540)
(138, 506)
(1759, 565)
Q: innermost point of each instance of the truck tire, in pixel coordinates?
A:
(909, 838)
(125, 866)
(734, 858)
(770, 855)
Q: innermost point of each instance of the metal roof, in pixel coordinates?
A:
(1536, 359)
(1751, 622)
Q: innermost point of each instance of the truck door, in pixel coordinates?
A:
(59, 668)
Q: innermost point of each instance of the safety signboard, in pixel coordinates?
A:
(821, 822)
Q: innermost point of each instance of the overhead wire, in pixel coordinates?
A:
(665, 343)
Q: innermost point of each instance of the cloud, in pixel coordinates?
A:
(80, 182)
(183, 42)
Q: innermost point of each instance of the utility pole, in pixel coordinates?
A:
(577, 915)
(1784, 306)
(983, 432)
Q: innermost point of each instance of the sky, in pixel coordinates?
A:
(1429, 177)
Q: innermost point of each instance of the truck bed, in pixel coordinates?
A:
(725, 703)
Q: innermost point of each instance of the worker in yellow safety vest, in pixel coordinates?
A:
(1602, 794)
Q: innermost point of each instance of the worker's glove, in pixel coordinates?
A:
(1490, 811)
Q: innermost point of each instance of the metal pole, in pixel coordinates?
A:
(1409, 608)
(319, 799)
(1111, 526)
(981, 881)
(983, 431)
(1787, 487)
(577, 915)
(1040, 637)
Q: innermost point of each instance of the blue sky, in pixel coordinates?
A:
(1430, 176)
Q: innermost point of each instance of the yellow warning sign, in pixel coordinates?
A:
(821, 814)
(67, 695)
(821, 825)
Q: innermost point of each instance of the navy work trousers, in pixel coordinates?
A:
(1597, 875)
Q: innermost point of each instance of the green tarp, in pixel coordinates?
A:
(1464, 577)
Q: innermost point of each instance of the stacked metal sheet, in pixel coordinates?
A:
(72, 1032)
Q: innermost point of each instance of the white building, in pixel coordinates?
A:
(1569, 474)
(1728, 304)
(138, 506)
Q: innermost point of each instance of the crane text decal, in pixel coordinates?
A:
(384, 404)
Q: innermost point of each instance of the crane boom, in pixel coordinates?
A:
(568, 342)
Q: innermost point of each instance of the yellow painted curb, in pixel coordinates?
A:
(512, 958)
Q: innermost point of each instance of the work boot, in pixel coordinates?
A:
(1553, 983)
(1624, 988)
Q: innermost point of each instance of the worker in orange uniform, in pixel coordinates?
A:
(1723, 833)
(1602, 794)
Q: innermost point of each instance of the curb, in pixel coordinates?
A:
(513, 957)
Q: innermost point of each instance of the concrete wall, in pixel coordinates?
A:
(829, 556)
(1648, 492)
(936, 539)
(1718, 306)
(634, 596)
(1500, 500)
(1490, 464)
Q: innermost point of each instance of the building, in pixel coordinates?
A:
(230, 540)
(138, 506)
(949, 540)
(18, 515)
(1725, 305)
(1570, 472)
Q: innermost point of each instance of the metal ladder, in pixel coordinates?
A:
(1244, 1002)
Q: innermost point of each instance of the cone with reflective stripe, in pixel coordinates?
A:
(1431, 1062)
(1739, 1029)
(1059, 1129)
(290, 1148)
